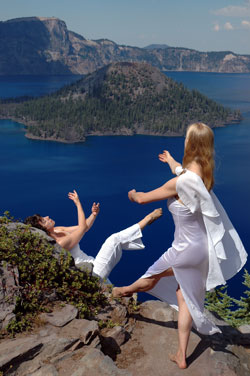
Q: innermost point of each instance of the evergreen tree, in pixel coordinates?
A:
(242, 314)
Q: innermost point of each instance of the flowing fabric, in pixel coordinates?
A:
(110, 252)
(206, 250)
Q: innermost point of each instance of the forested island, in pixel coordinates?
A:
(118, 99)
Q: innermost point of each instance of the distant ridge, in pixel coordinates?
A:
(44, 46)
(118, 99)
(156, 46)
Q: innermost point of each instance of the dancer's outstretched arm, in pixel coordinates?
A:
(94, 213)
(166, 157)
(73, 238)
(165, 191)
(89, 221)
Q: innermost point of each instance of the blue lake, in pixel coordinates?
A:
(37, 175)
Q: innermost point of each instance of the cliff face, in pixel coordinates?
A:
(36, 45)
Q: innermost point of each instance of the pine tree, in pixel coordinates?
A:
(220, 302)
(242, 314)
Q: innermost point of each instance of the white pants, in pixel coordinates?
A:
(111, 250)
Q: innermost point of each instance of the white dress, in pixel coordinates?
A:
(110, 252)
(206, 250)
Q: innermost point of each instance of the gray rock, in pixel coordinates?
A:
(47, 370)
(56, 346)
(85, 330)
(159, 311)
(94, 363)
(13, 352)
(12, 226)
(245, 329)
(119, 315)
(112, 339)
(9, 291)
(155, 336)
(27, 367)
(53, 345)
(118, 333)
(60, 317)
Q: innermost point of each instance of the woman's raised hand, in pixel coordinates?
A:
(95, 209)
(74, 197)
(165, 156)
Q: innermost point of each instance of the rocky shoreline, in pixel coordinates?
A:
(123, 132)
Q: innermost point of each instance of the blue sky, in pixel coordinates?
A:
(212, 25)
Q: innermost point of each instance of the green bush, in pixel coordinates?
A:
(41, 275)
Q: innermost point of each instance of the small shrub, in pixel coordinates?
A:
(41, 274)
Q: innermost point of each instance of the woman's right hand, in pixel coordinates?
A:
(165, 157)
(74, 197)
(95, 209)
(131, 195)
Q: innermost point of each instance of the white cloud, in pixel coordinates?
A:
(228, 26)
(234, 11)
(245, 24)
(216, 27)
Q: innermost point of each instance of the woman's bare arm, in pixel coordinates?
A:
(91, 219)
(70, 240)
(166, 157)
(162, 193)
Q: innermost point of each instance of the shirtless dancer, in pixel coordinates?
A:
(111, 250)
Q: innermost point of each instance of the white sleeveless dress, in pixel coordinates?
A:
(205, 252)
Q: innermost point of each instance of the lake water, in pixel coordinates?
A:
(37, 175)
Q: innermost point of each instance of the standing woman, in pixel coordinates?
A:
(206, 250)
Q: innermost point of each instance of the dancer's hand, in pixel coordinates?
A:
(74, 197)
(131, 195)
(165, 157)
(95, 209)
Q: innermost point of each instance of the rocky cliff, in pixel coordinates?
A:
(36, 45)
(123, 338)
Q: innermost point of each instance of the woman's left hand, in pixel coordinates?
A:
(95, 209)
(165, 156)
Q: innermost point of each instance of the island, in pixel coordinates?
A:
(119, 99)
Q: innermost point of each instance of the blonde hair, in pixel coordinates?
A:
(199, 147)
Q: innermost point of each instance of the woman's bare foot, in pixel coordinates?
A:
(118, 292)
(179, 360)
(150, 218)
(154, 215)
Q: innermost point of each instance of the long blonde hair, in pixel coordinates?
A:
(199, 147)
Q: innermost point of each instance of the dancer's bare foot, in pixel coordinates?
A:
(179, 360)
(154, 215)
(118, 292)
(150, 218)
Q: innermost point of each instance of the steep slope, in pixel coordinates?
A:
(36, 45)
(119, 99)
